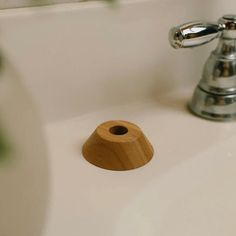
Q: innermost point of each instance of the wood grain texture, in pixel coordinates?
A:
(118, 145)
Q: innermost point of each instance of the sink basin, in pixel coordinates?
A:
(194, 198)
(186, 189)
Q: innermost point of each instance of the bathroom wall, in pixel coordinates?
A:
(63, 51)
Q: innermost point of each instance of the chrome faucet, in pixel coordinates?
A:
(215, 96)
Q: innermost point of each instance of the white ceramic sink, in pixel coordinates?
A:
(187, 189)
(87, 63)
(194, 198)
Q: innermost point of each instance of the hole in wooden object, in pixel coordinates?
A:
(118, 130)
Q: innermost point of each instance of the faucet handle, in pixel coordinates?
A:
(194, 34)
(197, 33)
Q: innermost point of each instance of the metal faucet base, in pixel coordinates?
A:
(213, 106)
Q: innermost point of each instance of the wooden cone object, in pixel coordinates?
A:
(118, 145)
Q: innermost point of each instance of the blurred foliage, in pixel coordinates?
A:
(110, 1)
(46, 2)
(4, 147)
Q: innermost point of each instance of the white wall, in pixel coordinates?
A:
(63, 51)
